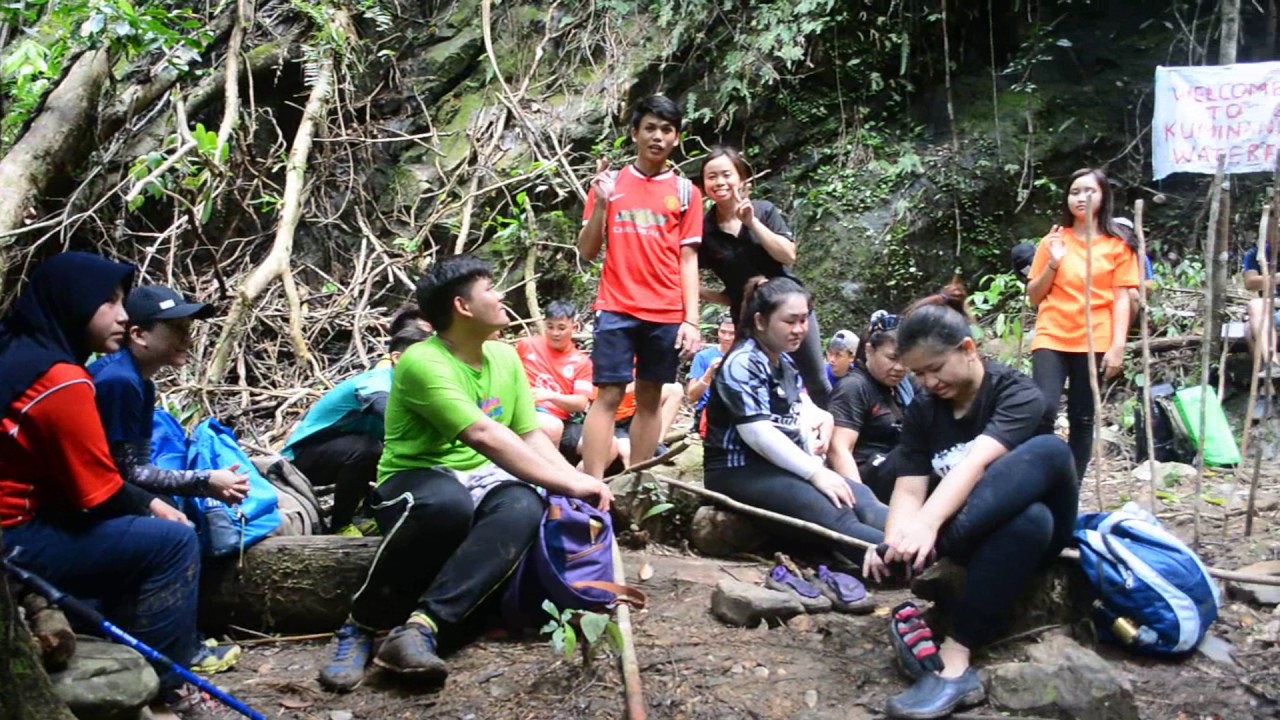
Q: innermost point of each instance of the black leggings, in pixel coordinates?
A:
(440, 554)
(1052, 370)
(1018, 517)
(771, 488)
(347, 462)
(813, 366)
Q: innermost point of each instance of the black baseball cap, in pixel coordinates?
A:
(1022, 255)
(149, 303)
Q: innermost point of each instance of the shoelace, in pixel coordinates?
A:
(346, 646)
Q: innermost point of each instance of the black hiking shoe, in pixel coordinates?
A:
(410, 650)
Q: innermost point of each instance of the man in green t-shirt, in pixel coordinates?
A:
(455, 497)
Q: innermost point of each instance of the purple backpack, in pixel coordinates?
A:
(570, 564)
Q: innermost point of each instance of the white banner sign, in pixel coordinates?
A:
(1209, 111)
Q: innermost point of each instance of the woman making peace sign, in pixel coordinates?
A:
(743, 238)
(1060, 350)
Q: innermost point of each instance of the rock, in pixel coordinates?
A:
(1217, 649)
(105, 681)
(720, 533)
(1170, 473)
(1058, 595)
(1065, 680)
(1257, 594)
(340, 715)
(801, 623)
(744, 605)
(811, 699)
(760, 671)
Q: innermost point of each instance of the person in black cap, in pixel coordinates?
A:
(159, 336)
(1022, 255)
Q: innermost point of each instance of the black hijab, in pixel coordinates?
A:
(47, 323)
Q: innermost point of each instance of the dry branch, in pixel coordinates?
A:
(277, 264)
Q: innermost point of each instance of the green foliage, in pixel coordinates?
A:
(1000, 306)
(190, 177)
(593, 625)
(56, 32)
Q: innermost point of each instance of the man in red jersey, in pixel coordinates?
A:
(649, 220)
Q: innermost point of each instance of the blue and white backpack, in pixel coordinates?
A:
(1144, 574)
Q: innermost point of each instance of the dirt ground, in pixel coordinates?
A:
(818, 667)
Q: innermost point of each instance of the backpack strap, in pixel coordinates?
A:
(628, 595)
(684, 190)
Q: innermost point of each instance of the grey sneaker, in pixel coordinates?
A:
(349, 656)
(933, 696)
(410, 650)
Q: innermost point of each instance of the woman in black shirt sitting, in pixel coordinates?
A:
(981, 480)
(868, 407)
(743, 238)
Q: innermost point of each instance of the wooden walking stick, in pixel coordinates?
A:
(1206, 347)
(636, 709)
(1090, 233)
(1257, 346)
(1267, 259)
(1146, 357)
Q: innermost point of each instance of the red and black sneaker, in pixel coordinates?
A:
(913, 641)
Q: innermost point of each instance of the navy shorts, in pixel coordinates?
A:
(623, 343)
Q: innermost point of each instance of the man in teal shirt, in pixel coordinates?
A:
(456, 496)
(339, 441)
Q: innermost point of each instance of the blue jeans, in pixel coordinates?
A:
(144, 572)
(769, 487)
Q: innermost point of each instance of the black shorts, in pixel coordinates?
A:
(627, 348)
(569, 441)
(879, 473)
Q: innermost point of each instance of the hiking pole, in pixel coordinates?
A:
(55, 596)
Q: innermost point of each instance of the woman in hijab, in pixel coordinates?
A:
(63, 504)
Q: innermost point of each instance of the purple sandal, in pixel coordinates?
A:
(810, 597)
(847, 593)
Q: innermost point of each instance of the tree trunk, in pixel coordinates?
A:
(299, 584)
(25, 693)
(1228, 41)
(53, 143)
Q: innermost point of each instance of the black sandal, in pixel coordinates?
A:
(913, 642)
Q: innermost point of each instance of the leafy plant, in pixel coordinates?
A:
(564, 625)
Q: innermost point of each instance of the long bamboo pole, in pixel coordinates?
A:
(1143, 316)
(1258, 347)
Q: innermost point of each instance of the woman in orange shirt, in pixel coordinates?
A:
(1060, 350)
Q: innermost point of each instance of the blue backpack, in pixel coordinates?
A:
(570, 564)
(1145, 575)
(228, 529)
(169, 443)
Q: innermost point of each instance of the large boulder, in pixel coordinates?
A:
(1058, 595)
(723, 533)
(105, 681)
(1062, 679)
(746, 605)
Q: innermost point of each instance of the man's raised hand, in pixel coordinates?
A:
(603, 183)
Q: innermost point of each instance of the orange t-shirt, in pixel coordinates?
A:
(644, 235)
(567, 373)
(627, 407)
(1060, 317)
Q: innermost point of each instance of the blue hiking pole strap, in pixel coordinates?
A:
(56, 597)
